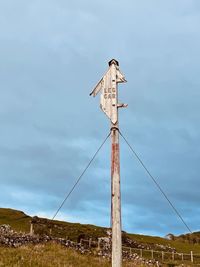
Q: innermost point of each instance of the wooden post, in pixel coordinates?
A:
(31, 229)
(163, 255)
(90, 242)
(141, 253)
(130, 251)
(182, 256)
(192, 259)
(173, 255)
(152, 254)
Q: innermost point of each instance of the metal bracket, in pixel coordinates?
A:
(122, 105)
(114, 128)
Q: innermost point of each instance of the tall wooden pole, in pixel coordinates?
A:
(108, 86)
(116, 200)
(115, 182)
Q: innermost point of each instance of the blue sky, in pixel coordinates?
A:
(52, 54)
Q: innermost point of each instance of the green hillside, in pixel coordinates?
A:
(19, 221)
(193, 238)
(180, 245)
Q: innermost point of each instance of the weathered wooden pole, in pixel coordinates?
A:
(108, 86)
(115, 179)
(116, 200)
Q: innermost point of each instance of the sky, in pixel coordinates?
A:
(52, 54)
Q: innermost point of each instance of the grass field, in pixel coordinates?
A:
(49, 255)
(54, 255)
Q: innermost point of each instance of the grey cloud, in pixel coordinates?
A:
(52, 54)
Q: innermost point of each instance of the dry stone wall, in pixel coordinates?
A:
(11, 238)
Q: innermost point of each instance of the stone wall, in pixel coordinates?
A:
(10, 238)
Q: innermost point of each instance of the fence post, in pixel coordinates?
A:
(141, 253)
(130, 251)
(31, 229)
(99, 243)
(182, 257)
(90, 242)
(152, 254)
(192, 259)
(173, 255)
(162, 255)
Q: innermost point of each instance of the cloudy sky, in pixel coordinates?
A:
(52, 53)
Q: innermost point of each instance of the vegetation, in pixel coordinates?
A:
(18, 220)
(193, 238)
(178, 244)
(49, 255)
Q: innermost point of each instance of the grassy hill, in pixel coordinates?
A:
(19, 221)
(182, 246)
(193, 238)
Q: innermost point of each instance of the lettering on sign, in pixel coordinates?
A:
(109, 93)
(109, 96)
(108, 90)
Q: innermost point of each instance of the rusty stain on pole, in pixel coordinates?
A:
(108, 86)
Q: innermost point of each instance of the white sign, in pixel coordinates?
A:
(108, 88)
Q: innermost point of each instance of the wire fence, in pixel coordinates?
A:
(165, 255)
(150, 253)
